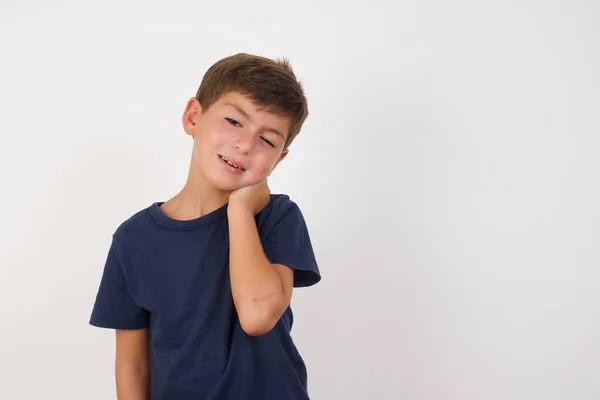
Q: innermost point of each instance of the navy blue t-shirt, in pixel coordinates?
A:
(172, 277)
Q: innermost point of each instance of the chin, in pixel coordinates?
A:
(227, 185)
(227, 182)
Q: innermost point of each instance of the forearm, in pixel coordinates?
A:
(133, 381)
(255, 284)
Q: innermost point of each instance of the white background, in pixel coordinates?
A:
(449, 173)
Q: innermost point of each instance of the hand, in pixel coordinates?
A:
(251, 198)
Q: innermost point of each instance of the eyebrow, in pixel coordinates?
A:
(247, 116)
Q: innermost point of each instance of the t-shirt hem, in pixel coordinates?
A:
(306, 278)
(303, 277)
(111, 323)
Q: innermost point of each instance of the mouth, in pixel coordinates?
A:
(234, 164)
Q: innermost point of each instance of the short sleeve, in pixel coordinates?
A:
(114, 308)
(288, 243)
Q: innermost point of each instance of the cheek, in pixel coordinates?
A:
(265, 163)
(212, 138)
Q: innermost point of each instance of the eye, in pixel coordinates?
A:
(267, 141)
(233, 122)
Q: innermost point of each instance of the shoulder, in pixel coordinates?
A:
(133, 226)
(280, 206)
(282, 203)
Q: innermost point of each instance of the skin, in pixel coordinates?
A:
(233, 127)
(132, 365)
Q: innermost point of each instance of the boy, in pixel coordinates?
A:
(198, 287)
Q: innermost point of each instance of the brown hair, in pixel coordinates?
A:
(270, 84)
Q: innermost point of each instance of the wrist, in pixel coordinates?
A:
(238, 209)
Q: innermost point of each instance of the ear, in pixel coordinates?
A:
(283, 154)
(190, 115)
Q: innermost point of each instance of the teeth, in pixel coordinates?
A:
(230, 163)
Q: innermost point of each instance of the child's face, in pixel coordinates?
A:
(233, 130)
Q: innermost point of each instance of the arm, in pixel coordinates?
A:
(261, 290)
(132, 366)
(116, 309)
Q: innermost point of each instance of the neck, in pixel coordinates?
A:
(196, 199)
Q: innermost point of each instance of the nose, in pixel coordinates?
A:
(244, 142)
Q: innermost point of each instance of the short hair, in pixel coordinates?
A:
(270, 83)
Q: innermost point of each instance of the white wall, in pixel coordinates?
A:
(449, 173)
